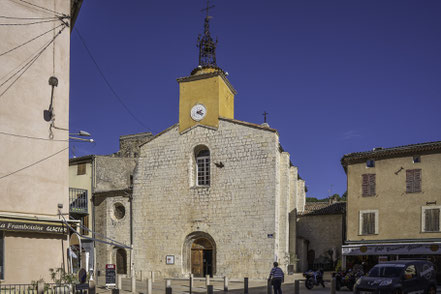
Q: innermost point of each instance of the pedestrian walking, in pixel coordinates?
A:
(277, 277)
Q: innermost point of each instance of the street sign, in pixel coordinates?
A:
(110, 275)
(82, 276)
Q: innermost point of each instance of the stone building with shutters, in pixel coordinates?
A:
(213, 195)
(393, 204)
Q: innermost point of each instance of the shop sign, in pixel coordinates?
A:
(32, 226)
(391, 249)
(110, 275)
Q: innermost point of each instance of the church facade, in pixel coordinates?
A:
(213, 195)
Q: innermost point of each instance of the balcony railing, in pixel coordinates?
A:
(78, 201)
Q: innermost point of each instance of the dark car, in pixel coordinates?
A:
(399, 277)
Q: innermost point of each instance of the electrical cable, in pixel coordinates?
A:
(27, 18)
(28, 23)
(93, 239)
(44, 8)
(28, 64)
(108, 83)
(21, 45)
(32, 164)
(101, 235)
(30, 137)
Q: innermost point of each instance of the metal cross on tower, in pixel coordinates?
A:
(264, 116)
(208, 7)
(206, 44)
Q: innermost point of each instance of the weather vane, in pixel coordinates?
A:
(206, 44)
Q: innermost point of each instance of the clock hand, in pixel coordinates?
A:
(200, 112)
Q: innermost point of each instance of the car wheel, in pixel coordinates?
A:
(309, 283)
(351, 286)
(398, 291)
(432, 290)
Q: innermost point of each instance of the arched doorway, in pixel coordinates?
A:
(200, 254)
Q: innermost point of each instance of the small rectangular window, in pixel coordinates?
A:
(2, 256)
(413, 180)
(370, 163)
(431, 219)
(81, 169)
(368, 185)
(417, 159)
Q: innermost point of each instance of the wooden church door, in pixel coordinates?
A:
(197, 265)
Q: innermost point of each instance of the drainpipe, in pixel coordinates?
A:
(92, 190)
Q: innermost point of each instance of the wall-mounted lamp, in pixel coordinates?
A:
(47, 114)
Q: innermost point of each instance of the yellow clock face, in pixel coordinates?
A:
(198, 112)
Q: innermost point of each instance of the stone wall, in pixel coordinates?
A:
(113, 173)
(324, 233)
(129, 144)
(241, 209)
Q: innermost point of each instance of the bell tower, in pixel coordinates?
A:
(206, 94)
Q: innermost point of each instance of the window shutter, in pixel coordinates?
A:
(365, 185)
(371, 184)
(368, 226)
(417, 180)
(432, 220)
(436, 220)
(409, 181)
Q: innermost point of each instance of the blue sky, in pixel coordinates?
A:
(335, 76)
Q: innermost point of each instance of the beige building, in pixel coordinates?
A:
(320, 234)
(34, 137)
(394, 202)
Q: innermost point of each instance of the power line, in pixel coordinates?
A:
(27, 18)
(41, 7)
(28, 64)
(6, 52)
(108, 84)
(30, 137)
(27, 23)
(32, 164)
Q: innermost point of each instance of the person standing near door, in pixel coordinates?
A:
(277, 276)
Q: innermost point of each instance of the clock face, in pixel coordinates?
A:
(198, 112)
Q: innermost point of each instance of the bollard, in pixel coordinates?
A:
(133, 284)
(40, 287)
(209, 289)
(168, 288)
(225, 284)
(191, 283)
(296, 287)
(92, 287)
(268, 287)
(333, 283)
(149, 286)
(207, 280)
(119, 282)
(152, 274)
(245, 285)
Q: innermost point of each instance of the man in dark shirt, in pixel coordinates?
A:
(277, 278)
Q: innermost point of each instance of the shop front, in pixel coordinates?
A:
(29, 247)
(370, 254)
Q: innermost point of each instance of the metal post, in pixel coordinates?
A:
(209, 289)
(296, 287)
(191, 283)
(245, 285)
(149, 286)
(225, 284)
(333, 283)
(168, 288)
(268, 287)
(133, 282)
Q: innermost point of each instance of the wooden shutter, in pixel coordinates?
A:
(432, 220)
(368, 225)
(417, 180)
(365, 185)
(81, 169)
(409, 181)
(85, 224)
(371, 184)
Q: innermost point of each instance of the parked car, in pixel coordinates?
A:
(399, 277)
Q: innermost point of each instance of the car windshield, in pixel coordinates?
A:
(389, 271)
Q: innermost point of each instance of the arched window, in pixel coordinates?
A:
(202, 166)
(121, 261)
